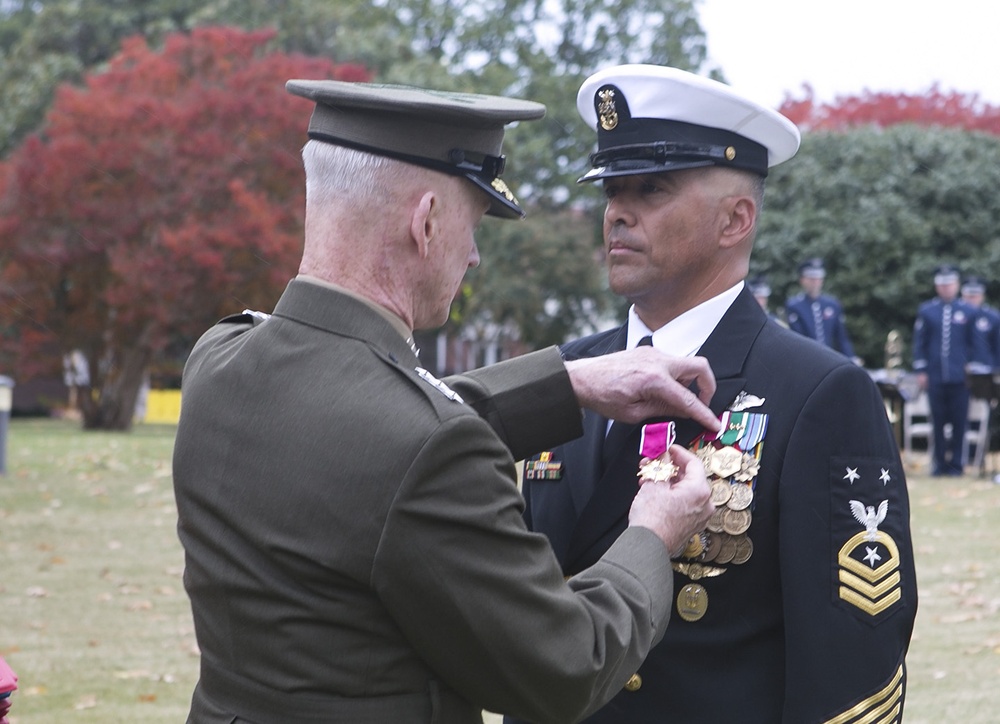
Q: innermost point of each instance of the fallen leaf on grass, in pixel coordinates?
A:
(36, 592)
(961, 589)
(136, 674)
(39, 690)
(139, 606)
(87, 701)
(961, 617)
(147, 698)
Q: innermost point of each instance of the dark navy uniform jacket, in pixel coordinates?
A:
(945, 341)
(821, 319)
(814, 625)
(987, 326)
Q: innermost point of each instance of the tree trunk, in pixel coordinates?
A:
(113, 407)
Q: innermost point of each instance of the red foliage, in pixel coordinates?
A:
(163, 194)
(933, 108)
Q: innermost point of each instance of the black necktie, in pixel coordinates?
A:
(620, 430)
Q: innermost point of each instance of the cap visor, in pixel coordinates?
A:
(500, 205)
(637, 167)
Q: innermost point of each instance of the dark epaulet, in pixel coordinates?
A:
(247, 316)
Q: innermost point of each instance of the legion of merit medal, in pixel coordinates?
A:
(655, 464)
(731, 458)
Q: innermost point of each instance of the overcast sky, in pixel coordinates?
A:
(767, 48)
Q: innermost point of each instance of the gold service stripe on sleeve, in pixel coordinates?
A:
(875, 705)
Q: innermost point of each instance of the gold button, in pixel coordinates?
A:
(634, 683)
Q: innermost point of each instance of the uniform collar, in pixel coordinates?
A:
(684, 335)
(398, 324)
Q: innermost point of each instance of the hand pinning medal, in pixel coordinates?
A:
(732, 461)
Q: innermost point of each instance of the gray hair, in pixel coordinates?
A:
(342, 173)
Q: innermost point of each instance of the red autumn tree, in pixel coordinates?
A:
(949, 109)
(164, 194)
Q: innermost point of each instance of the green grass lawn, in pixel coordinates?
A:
(96, 623)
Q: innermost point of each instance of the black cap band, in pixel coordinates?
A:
(484, 172)
(639, 142)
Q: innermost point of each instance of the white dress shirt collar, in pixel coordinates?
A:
(684, 336)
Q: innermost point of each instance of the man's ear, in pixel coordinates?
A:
(741, 218)
(423, 223)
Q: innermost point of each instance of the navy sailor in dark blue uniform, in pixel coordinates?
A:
(797, 601)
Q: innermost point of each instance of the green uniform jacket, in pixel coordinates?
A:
(354, 543)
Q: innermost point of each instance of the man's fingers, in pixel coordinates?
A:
(687, 370)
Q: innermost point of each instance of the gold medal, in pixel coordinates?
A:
(740, 497)
(714, 543)
(694, 547)
(659, 469)
(744, 549)
(694, 571)
(715, 522)
(748, 468)
(692, 602)
(705, 455)
(726, 462)
(735, 522)
(721, 492)
(727, 549)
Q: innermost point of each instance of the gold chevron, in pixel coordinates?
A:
(875, 705)
(867, 590)
(857, 567)
(870, 607)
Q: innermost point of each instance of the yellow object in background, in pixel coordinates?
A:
(163, 406)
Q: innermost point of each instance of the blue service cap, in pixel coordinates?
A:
(759, 287)
(974, 285)
(812, 269)
(946, 274)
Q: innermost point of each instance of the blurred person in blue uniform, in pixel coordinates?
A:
(761, 290)
(816, 315)
(946, 347)
(797, 601)
(987, 319)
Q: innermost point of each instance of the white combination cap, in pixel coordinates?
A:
(652, 118)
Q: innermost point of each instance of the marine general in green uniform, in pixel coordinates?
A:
(352, 529)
